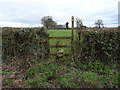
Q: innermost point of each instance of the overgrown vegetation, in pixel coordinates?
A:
(67, 73)
(94, 63)
(24, 42)
(98, 45)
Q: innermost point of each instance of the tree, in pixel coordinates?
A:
(67, 27)
(99, 23)
(79, 24)
(48, 22)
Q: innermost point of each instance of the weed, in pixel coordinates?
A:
(90, 77)
(8, 81)
(71, 74)
(66, 80)
(38, 81)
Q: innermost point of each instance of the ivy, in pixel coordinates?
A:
(23, 42)
(99, 45)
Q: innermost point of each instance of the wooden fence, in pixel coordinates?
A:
(70, 37)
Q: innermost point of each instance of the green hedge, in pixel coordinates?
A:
(98, 45)
(24, 42)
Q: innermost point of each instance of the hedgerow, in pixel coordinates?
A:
(98, 45)
(23, 42)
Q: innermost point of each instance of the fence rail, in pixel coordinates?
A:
(56, 54)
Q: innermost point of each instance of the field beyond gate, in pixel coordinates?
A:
(62, 37)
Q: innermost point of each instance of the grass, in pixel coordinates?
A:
(63, 73)
(59, 33)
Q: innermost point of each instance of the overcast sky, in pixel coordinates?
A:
(27, 13)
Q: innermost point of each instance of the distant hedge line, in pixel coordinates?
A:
(23, 42)
(98, 45)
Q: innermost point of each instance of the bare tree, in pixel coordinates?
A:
(79, 24)
(48, 22)
(99, 23)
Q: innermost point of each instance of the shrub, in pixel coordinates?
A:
(98, 45)
(24, 42)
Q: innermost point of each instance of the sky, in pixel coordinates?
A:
(119, 13)
(28, 13)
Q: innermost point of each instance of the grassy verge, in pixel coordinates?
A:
(72, 74)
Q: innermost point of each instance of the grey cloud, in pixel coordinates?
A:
(21, 12)
(31, 11)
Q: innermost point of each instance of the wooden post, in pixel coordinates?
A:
(72, 37)
(72, 28)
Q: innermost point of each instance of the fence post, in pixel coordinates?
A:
(72, 29)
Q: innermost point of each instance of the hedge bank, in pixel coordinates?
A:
(101, 45)
(24, 42)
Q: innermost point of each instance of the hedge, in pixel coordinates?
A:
(23, 42)
(98, 45)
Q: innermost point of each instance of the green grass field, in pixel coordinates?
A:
(60, 33)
